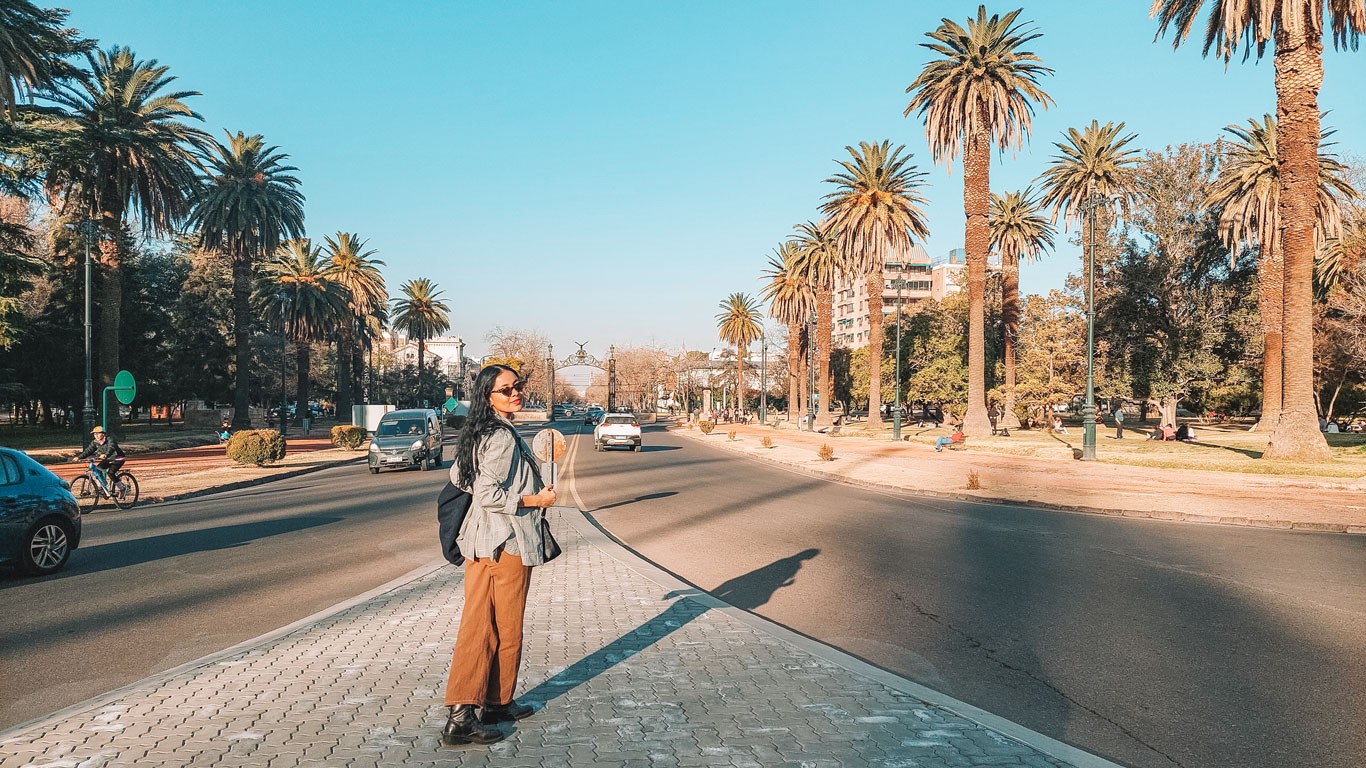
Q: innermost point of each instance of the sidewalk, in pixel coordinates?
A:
(627, 666)
(1271, 501)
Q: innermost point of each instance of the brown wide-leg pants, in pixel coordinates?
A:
(488, 646)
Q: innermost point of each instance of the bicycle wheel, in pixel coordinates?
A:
(125, 490)
(86, 492)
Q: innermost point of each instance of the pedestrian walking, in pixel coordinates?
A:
(501, 540)
(1119, 424)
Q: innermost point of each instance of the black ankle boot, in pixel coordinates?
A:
(503, 713)
(463, 727)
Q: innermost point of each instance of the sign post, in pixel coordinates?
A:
(124, 389)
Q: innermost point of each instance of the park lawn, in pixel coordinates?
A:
(1218, 449)
(129, 434)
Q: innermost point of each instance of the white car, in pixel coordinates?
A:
(617, 429)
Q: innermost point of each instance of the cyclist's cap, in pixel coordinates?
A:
(98, 430)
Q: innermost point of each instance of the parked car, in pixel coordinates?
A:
(408, 438)
(561, 412)
(591, 417)
(617, 429)
(40, 521)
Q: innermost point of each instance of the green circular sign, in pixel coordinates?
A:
(125, 388)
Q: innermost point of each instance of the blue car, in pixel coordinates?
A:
(40, 522)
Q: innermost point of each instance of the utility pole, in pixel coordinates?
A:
(811, 372)
(763, 379)
(896, 404)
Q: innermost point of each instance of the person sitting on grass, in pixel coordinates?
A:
(956, 437)
(1058, 427)
(1164, 433)
(1185, 433)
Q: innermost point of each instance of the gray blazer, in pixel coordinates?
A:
(507, 471)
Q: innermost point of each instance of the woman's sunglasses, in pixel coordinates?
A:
(507, 391)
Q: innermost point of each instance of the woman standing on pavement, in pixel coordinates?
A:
(501, 540)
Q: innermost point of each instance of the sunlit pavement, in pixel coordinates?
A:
(625, 666)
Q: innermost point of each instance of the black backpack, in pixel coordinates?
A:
(451, 507)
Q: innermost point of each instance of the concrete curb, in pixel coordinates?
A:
(1167, 515)
(599, 537)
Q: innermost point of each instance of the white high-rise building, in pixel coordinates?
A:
(912, 282)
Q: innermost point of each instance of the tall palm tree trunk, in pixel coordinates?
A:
(824, 320)
(739, 378)
(977, 239)
(303, 357)
(241, 334)
(1271, 307)
(1010, 322)
(875, 287)
(794, 371)
(345, 343)
(421, 366)
(1299, 75)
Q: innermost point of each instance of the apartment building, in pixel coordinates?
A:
(910, 282)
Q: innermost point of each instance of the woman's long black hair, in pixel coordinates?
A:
(481, 421)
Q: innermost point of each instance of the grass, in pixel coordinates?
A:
(1220, 448)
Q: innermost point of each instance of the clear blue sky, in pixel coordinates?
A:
(525, 154)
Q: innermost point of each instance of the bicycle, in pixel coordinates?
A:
(122, 488)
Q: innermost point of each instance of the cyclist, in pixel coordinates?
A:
(106, 450)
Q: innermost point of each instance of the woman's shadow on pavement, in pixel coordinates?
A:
(748, 592)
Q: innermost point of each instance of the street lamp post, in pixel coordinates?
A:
(550, 372)
(460, 382)
(763, 379)
(896, 403)
(1091, 205)
(284, 348)
(87, 228)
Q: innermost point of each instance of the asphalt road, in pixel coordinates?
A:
(160, 585)
(1150, 643)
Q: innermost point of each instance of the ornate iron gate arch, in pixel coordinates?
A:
(585, 358)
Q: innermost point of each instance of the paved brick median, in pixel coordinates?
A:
(627, 674)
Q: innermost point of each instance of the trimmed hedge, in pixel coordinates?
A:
(349, 437)
(706, 426)
(256, 446)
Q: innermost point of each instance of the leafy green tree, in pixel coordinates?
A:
(123, 148)
(1018, 233)
(296, 292)
(1297, 29)
(1169, 304)
(875, 214)
(791, 301)
(1247, 194)
(199, 354)
(740, 323)
(420, 315)
(820, 260)
(1052, 353)
(17, 268)
(357, 270)
(247, 203)
(981, 90)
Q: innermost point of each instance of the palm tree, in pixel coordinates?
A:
(123, 148)
(981, 92)
(357, 270)
(33, 41)
(1094, 161)
(1018, 232)
(247, 204)
(740, 323)
(875, 209)
(820, 260)
(1247, 191)
(297, 293)
(421, 315)
(790, 301)
(1297, 27)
